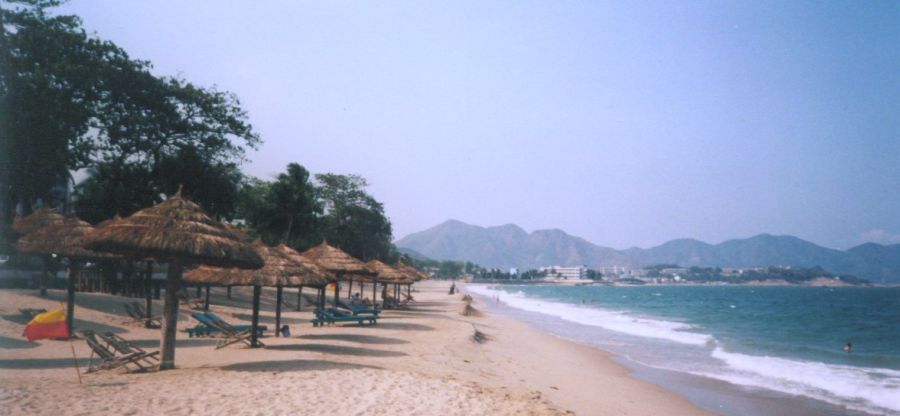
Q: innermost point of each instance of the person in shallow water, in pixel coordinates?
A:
(848, 347)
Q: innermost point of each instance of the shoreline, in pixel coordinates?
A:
(424, 352)
(711, 394)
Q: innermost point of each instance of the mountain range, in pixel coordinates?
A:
(509, 246)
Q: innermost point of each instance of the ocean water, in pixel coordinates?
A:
(785, 339)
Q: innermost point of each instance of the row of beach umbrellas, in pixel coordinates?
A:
(180, 234)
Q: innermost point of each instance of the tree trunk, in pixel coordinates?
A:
(170, 315)
(254, 328)
(278, 293)
(70, 296)
(148, 291)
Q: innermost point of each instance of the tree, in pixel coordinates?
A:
(284, 211)
(353, 220)
(82, 102)
(49, 77)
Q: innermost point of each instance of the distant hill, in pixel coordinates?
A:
(509, 245)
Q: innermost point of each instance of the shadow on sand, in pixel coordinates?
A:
(403, 326)
(15, 343)
(362, 339)
(337, 349)
(42, 363)
(295, 365)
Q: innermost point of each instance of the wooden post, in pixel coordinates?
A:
(128, 277)
(170, 315)
(350, 290)
(278, 292)
(148, 292)
(374, 286)
(70, 295)
(199, 291)
(337, 292)
(254, 334)
(299, 297)
(206, 300)
(43, 283)
(409, 291)
(229, 293)
(156, 289)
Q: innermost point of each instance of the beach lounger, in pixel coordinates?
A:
(357, 309)
(114, 352)
(331, 316)
(196, 304)
(137, 312)
(212, 325)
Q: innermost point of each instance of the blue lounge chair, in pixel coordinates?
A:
(329, 316)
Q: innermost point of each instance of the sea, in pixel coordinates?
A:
(738, 350)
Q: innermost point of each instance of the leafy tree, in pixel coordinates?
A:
(354, 220)
(82, 102)
(284, 211)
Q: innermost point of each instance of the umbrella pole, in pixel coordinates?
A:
(299, 297)
(206, 299)
(44, 272)
(350, 289)
(70, 296)
(254, 335)
(229, 293)
(337, 292)
(148, 291)
(170, 315)
(374, 286)
(278, 310)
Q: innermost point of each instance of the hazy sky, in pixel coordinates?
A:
(626, 123)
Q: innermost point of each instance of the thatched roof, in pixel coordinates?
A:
(37, 220)
(64, 238)
(174, 230)
(385, 273)
(336, 260)
(413, 273)
(280, 269)
(321, 277)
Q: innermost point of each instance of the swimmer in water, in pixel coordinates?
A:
(848, 347)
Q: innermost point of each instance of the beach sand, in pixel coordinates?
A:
(417, 361)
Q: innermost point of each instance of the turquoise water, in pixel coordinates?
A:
(787, 339)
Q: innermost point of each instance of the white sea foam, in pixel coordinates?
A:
(611, 320)
(869, 389)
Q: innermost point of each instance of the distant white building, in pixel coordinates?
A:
(577, 272)
(513, 271)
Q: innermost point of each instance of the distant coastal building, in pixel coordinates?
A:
(577, 272)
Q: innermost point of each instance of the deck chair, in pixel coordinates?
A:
(137, 312)
(357, 309)
(230, 333)
(118, 353)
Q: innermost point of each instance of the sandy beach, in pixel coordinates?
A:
(417, 361)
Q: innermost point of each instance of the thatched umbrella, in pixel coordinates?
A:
(280, 270)
(64, 239)
(386, 274)
(39, 219)
(337, 262)
(413, 275)
(300, 281)
(176, 232)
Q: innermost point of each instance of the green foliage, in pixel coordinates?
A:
(82, 102)
(283, 211)
(354, 220)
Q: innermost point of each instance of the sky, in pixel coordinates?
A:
(625, 123)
